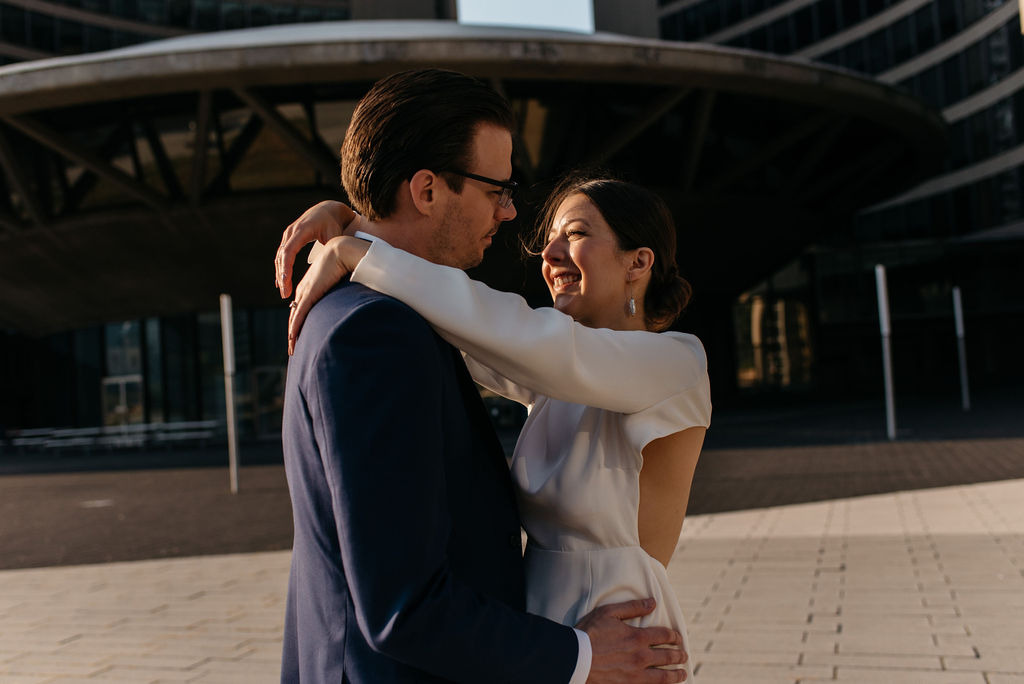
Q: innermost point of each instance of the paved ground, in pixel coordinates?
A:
(917, 586)
(96, 508)
(921, 587)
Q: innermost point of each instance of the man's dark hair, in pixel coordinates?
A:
(413, 120)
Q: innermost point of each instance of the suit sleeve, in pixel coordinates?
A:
(377, 404)
(544, 350)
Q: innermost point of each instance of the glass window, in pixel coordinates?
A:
(803, 27)
(154, 372)
(232, 16)
(101, 6)
(924, 25)
(98, 38)
(949, 24)
(129, 9)
(711, 17)
(153, 11)
(13, 21)
(972, 10)
(902, 41)
(959, 145)
(691, 24)
(873, 7)
(43, 32)
(953, 82)
(853, 12)
(931, 86)
(733, 11)
(879, 54)
(976, 69)
(854, 57)
(69, 37)
(123, 348)
(179, 13)
(828, 18)
(781, 36)
(759, 39)
(207, 15)
(181, 397)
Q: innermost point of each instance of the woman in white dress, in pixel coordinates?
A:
(617, 409)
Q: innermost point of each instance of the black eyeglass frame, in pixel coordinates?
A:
(508, 188)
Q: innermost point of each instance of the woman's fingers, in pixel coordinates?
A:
(318, 223)
(323, 274)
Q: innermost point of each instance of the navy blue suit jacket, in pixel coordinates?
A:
(406, 562)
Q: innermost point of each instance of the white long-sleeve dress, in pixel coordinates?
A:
(596, 398)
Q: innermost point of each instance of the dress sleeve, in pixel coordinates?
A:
(498, 383)
(626, 371)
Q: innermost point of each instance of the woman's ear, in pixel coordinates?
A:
(641, 263)
(423, 187)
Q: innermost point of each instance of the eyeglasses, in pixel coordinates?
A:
(508, 188)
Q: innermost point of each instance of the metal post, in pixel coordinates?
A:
(228, 342)
(883, 320)
(961, 347)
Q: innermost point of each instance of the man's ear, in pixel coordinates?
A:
(641, 263)
(424, 187)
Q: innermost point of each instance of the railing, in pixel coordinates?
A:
(116, 436)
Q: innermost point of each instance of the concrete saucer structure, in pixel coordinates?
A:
(147, 180)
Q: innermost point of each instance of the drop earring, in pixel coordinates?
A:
(631, 306)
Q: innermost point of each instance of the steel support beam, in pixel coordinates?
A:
(655, 111)
(81, 155)
(769, 151)
(18, 182)
(287, 132)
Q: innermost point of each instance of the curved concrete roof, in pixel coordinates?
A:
(372, 49)
(757, 155)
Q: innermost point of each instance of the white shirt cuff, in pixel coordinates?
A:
(584, 659)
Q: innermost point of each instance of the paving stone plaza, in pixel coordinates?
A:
(915, 587)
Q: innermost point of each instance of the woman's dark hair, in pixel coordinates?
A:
(422, 119)
(639, 218)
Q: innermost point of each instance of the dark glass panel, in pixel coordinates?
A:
(179, 13)
(733, 11)
(69, 37)
(953, 81)
(828, 18)
(13, 24)
(976, 69)
(803, 27)
(711, 17)
(98, 38)
(781, 36)
(759, 39)
(879, 53)
(949, 24)
(853, 12)
(924, 25)
(854, 57)
(42, 32)
(902, 41)
(931, 86)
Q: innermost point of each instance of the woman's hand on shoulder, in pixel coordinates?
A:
(340, 257)
(319, 223)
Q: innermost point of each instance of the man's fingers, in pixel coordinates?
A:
(661, 636)
(660, 657)
(629, 609)
(664, 676)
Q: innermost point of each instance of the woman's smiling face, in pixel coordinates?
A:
(585, 271)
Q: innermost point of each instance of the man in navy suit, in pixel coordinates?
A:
(407, 565)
